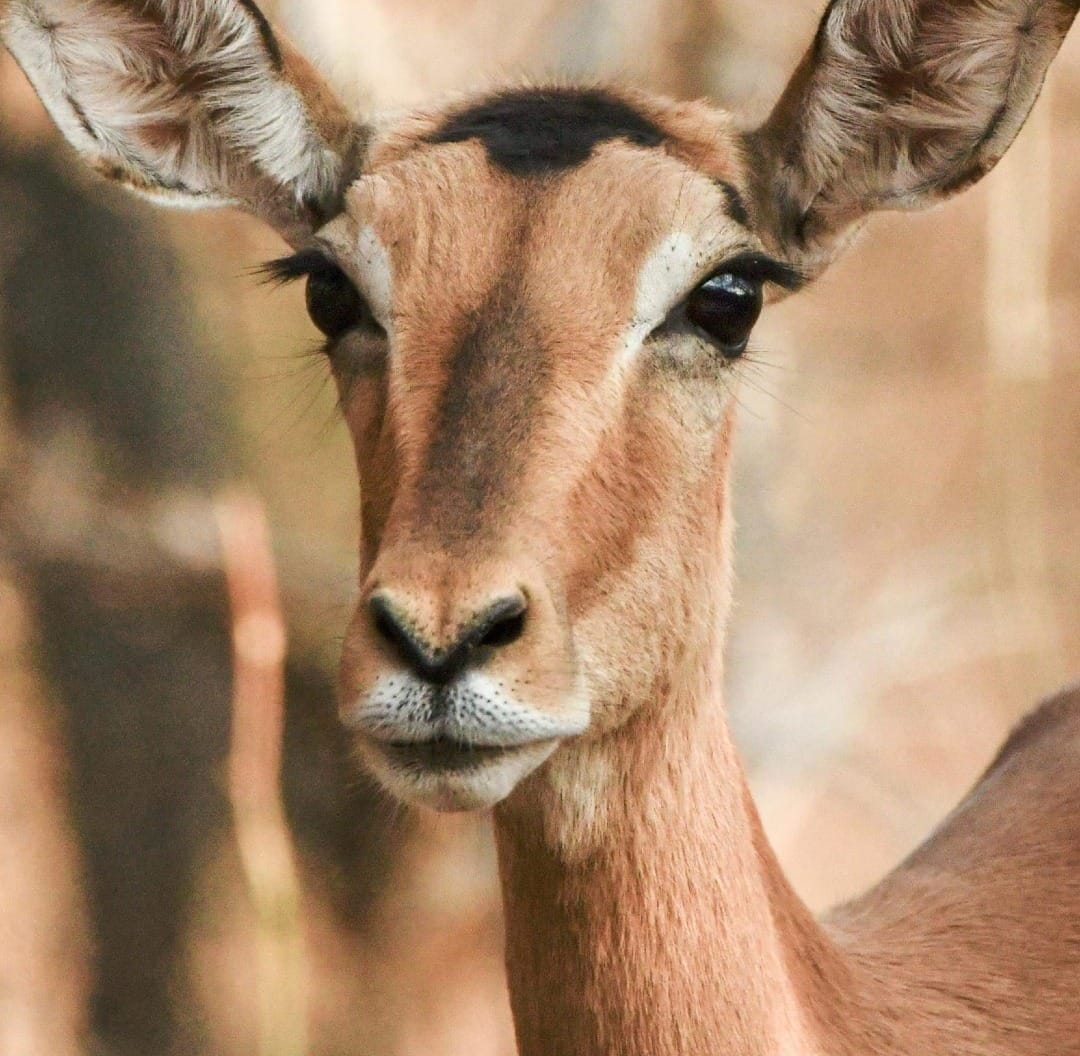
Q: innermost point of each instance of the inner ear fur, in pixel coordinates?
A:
(898, 104)
(192, 102)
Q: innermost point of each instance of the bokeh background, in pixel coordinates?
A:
(908, 494)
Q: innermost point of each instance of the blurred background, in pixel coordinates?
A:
(908, 495)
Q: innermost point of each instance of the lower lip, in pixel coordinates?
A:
(444, 755)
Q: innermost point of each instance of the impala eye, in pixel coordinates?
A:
(333, 302)
(726, 307)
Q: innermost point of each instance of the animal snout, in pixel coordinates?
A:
(459, 676)
(401, 623)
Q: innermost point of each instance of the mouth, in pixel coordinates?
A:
(449, 774)
(447, 755)
(464, 749)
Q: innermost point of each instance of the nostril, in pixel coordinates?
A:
(385, 626)
(504, 631)
(390, 626)
(497, 626)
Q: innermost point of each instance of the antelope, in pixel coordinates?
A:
(535, 301)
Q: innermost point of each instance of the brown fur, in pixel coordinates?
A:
(536, 421)
(969, 947)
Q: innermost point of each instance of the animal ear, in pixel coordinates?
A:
(192, 102)
(898, 104)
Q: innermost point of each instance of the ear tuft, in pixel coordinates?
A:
(195, 102)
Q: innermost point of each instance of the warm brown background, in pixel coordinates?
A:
(909, 555)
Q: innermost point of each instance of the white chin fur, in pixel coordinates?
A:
(477, 788)
(400, 710)
(478, 710)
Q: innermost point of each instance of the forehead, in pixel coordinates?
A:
(569, 190)
(515, 250)
(541, 131)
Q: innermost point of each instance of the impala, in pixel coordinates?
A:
(535, 303)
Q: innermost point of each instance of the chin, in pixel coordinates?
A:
(448, 776)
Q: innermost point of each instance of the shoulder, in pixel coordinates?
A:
(1052, 729)
(1020, 820)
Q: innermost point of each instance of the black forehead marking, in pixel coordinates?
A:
(534, 131)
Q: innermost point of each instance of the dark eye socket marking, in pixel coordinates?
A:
(726, 305)
(333, 301)
(736, 207)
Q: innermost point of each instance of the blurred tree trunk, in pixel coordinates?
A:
(44, 951)
(118, 422)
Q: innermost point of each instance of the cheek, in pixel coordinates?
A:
(649, 526)
(654, 480)
(614, 505)
(374, 449)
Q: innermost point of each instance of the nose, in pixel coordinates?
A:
(495, 625)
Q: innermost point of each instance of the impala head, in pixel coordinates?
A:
(535, 304)
(540, 304)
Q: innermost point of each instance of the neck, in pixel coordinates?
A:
(645, 912)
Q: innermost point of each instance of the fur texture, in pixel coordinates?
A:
(194, 103)
(535, 417)
(899, 103)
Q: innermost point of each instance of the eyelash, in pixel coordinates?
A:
(760, 268)
(284, 270)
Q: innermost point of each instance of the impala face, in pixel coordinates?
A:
(536, 344)
(535, 306)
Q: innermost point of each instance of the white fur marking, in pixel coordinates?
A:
(662, 280)
(475, 710)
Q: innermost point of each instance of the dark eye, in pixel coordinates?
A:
(726, 307)
(333, 302)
